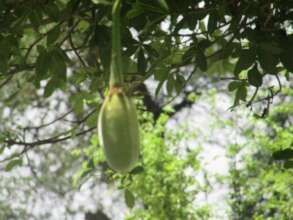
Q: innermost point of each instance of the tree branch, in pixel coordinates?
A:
(30, 145)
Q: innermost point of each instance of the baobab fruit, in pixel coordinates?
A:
(119, 131)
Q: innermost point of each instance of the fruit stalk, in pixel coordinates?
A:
(116, 77)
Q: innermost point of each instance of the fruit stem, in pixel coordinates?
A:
(116, 77)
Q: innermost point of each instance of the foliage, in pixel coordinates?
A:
(63, 46)
(260, 185)
(152, 189)
(41, 38)
(157, 186)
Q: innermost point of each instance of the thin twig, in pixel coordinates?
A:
(253, 97)
(84, 119)
(49, 123)
(75, 49)
(30, 145)
(71, 29)
(183, 86)
(6, 81)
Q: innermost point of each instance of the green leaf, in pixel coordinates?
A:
(192, 97)
(246, 59)
(83, 172)
(42, 64)
(50, 87)
(201, 13)
(158, 89)
(179, 83)
(6, 45)
(53, 35)
(4, 64)
(129, 199)
(170, 85)
(92, 120)
(141, 7)
(164, 5)
(104, 2)
(129, 66)
(12, 164)
(100, 39)
(283, 154)
(77, 102)
(202, 26)
(254, 77)
(201, 60)
(54, 83)
(150, 7)
(287, 59)
(35, 17)
(212, 23)
(288, 164)
(58, 65)
(161, 73)
(188, 55)
(241, 94)
(270, 47)
(204, 44)
(175, 57)
(105, 55)
(168, 109)
(141, 62)
(152, 52)
(234, 85)
(268, 61)
(52, 10)
(287, 75)
(134, 13)
(137, 170)
(189, 21)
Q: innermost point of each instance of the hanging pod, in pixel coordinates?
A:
(118, 131)
(118, 127)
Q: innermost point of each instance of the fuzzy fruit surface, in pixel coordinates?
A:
(118, 131)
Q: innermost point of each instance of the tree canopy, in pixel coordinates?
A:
(49, 46)
(160, 38)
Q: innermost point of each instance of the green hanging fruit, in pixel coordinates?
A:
(117, 124)
(118, 131)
